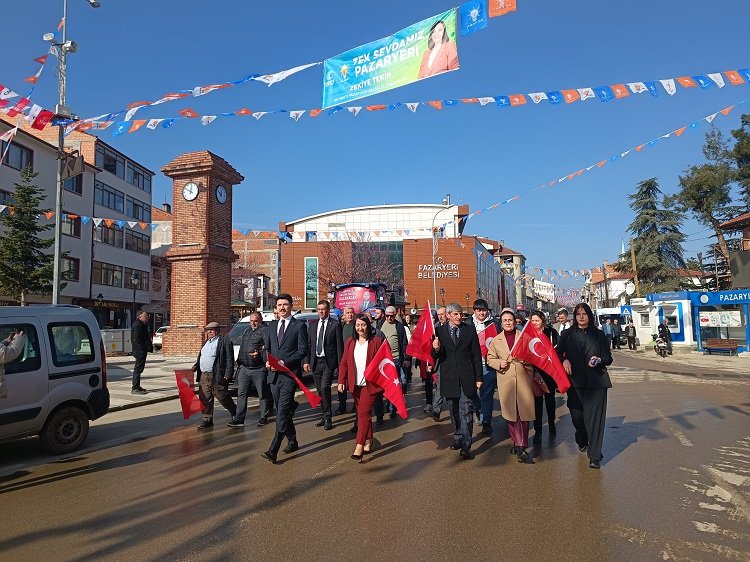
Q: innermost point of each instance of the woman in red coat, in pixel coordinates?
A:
(358, 352)
(441, 54)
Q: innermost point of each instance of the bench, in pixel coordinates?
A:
(718, 344)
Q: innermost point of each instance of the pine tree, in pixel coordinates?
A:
(26, 268)
(657, 240)
(741, 156)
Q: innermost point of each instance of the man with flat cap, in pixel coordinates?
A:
(214, 370)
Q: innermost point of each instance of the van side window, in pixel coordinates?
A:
(70, 343)
(30, 358)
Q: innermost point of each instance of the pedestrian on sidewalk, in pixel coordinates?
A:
(140, 339)
(665, 334)
(616, 334)
(252, 369)
(630, 334)
(214, 370)
(608, 332)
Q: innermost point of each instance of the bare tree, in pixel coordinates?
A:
(358, 262)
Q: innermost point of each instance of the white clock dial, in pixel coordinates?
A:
(190, 191)
(221, 194)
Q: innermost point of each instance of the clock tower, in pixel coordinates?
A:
(201, 255)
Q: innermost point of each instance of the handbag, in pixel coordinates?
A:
(538, 386)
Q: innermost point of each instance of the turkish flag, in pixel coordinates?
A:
(485, 338)
(312, 399)
(532, 346)
(420, 344)
(188, 398)
(381, 371)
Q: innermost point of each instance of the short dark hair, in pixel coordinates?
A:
(366, 319)
(325, 302)
(284, 297)
(480, 303)
(380, 308)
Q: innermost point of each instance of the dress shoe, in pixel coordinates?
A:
(269, 456)
(455, 447)
(486, 429)
(595, 464)
(537, 437)
(328, 425)
(466, 454)
(428, 409)
(321, 423)
(290, 448)
(138, 391)
(435, 415)
(262, 422)
(523, 455)
(514, 450)
(583, 448)
(205, 425)
(235, 424)
(393, 414)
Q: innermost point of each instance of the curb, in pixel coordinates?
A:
(145, 402)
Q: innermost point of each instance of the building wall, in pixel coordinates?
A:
(259, 254)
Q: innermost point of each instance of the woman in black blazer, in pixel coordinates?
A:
(585, 354)
(546, 401)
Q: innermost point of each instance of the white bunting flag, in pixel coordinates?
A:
(624, 154)
(259, 114)
(710, 118)
(8, 135)
(132, 224)
(97, 221)
(412, 106)
(202, 90)
(536, 97)
(296, 114)
(637, 87)
(588, 169)
(669, 86)
(586, 93)
(717, 78)
(33, 113)
(6, 94)
(207, 119)
(170, 97)
(271, 79)
(131, 112)
(153, 123)
(485, 101)
(355, 110)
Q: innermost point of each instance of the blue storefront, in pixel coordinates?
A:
(721, 314)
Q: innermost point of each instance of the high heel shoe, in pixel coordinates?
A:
(367, 451)
(358, 457)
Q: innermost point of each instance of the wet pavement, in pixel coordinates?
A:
(674, 485)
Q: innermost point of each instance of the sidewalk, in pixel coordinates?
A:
(694, 359)
(157, 378)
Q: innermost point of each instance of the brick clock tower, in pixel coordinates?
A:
(201, 255)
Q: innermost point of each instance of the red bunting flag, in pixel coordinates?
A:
(381, 371)
(42, 119)
(312, 399)
(189, 400)
(485, 338)
(187, 112)
(19, 107)
(420, 344)
(532, 346)
(42, 59)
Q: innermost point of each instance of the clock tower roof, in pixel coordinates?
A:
(192, 163)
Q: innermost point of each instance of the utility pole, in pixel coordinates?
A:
(606, 285)
(635, 269)
(700, 266)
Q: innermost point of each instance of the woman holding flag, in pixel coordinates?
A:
(538, 319)
(514, 385)
(358, 353)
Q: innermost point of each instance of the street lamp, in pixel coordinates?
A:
(467, 301)
(446, 204)
(61, 50)
(442, 295)
(134, 278)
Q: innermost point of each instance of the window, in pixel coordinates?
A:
(143, 278)
(30, 357)
(138, 210)
(6, 197)
(74, 184)
(111, 235)
(18, 156)
(106, 274)
(109, 197)
(137, 242)
(70, 268)
(645, 319)
(71, 226)
(109, 160)
(139, 177)
(70, 343)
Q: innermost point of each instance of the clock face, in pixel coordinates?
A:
(190, 191)
(221, 194)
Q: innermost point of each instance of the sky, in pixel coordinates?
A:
(141, 50)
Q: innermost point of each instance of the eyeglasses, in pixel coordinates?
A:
(390, 315)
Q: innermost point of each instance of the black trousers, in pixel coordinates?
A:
(616, 342)
(283, 395)
(631, 342)
(323, 376)
(588, 410)
(546, 401)
(140, 364)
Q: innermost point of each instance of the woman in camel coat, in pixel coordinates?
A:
(514, 385)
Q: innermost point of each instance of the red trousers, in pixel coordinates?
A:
(364, 399)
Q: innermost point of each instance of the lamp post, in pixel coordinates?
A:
(467, 302)
(446, 203)
(442, 295)
(134, 278)
(61, 50)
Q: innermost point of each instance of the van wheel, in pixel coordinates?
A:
(65, 431)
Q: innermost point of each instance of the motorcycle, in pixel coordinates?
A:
(660, 345)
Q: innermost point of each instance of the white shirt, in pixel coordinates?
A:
(360, 362)
(208, 354)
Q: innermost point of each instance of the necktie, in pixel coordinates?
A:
(319, 346)
(454, 334)
(281, 330)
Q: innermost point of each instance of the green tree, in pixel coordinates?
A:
(741, 156)
(26, 268)
(657, 240)
(706, 189)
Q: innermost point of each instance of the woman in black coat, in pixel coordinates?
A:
(539, 321)
(585, 354)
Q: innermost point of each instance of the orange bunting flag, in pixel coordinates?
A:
(61, 24)
(600, 164)
(49, 214)
(726, 110)
(437, 104)
(315, 112)
(72, 216)
(187, 112)
(619, 90)
(375, 107)
(109, 222)
(734, 77)
(143, 225)
(678, 132)
(42, 59)
(138, 104)
(687, 82)
(31, 79)
(470, 100)
(137, 124)
(501, 7)
(243, 111)
(517, 99)
(571, 95)
(570, 177)
(639, 147)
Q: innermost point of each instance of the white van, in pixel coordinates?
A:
(59, 382)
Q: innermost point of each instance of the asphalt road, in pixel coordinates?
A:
(674, 485)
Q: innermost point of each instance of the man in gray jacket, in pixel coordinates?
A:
(10, 348)
(252, 368)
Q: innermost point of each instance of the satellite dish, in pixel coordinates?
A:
(629, 288)
(413, 310)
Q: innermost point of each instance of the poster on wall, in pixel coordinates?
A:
(359, 298)
(311, 283)
(722, 319)
(422, 50)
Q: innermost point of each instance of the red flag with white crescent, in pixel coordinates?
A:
(312, 399)
(420, 344)
(532, 346)
(382, 372)
(485, 338)
(189, 400)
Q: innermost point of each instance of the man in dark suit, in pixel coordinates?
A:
(140, 338)
(286, 340)
(326, 347)
(456, 347)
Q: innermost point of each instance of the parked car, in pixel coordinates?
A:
(59, 382)
(156, 340)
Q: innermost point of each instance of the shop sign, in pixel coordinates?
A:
(440, 270)
(718, 298)
(724, 319)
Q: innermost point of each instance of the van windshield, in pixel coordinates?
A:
(235, 334)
